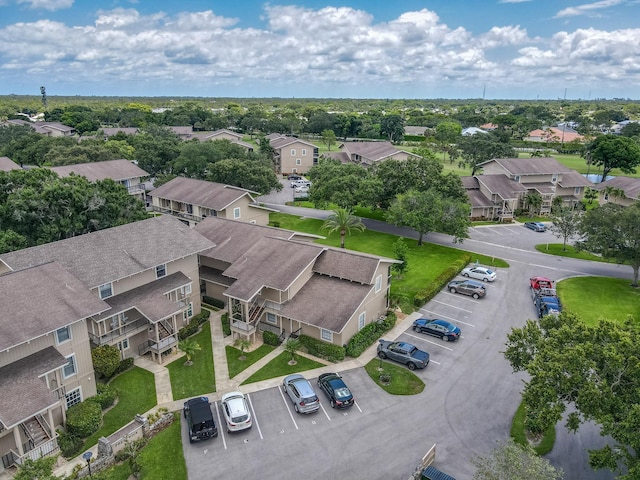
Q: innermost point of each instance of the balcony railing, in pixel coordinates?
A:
(123, 331)
(47, 448)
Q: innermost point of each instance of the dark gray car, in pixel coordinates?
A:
(467, 287)
(403, 352)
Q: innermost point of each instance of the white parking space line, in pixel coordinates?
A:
(439, 315)
(452, 306)
(433, 361)
(429, 341)
(255, 418)
(286, 404)
(220, 429)
(460, 296)
(325, 412)
(358, 406)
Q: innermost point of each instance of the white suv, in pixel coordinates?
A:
(235, 410)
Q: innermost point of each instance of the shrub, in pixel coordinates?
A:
(226, 324)
(84, 418)
(106, 396)
(214, 302)
(70, 445)
(106, 359)
(194, 323)
(319, 348)
(431, 290)
(270, 338)
(369, 334)
(202, 317)
(125, 365)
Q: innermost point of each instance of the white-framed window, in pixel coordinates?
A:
(516, 178)
(105, 290)
(188, 313)
(298, 161)
(63, 335)
(378, 283)
(361, 320)
(271, 318)
(161, 270)
(123, 345)
(304, 152)
(554, 178)
(186, 290)
(576, 191)
(70, 368)
(236, 213)
(326, 335)
(73, 397)
(293, 152)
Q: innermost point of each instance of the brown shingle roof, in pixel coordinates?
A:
(200, 192)
(114, 169)
(24, 394)
(630, 186)
(114, 253)
(349, 265)
(530, 166)
(374, 151)
(280, 142)
(40, 300)
(574, 179)
(502, 185)
(6, 164)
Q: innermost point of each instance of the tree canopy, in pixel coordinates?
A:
(614, 151)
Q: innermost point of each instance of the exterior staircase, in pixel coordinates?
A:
(37, 430)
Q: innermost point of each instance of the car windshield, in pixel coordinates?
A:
(240, 418)
(342, 392)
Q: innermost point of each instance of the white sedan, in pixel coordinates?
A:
(479, 273)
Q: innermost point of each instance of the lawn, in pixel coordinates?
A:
(136, 394)
(577, 163)
(571, 252)
(196, 379)
(518, 433)
(593, 298)
(279, 367)
(236, 365)
(163, 458)
(402, 380)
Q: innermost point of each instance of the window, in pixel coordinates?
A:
(554, 178)
(271, 318)
(294, 170)
(326, 335)
(123, 345)
(73, 397)
(70, 368)
(304, 152)
(188, 313)
(105, 290)
(161, 270)
(63, 335)
(236, 213)
(517, 178)
(361, 319)
(298, 161)
(378, 283)
(293, 152)
(576, 191)
(186, 290)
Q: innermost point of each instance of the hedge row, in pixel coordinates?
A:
(318, 348)
(214, 302)
(192, 327)
(369, 334)
(270, 338)
(431, 290)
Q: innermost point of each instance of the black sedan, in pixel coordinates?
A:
(339, 394)
(438, 328)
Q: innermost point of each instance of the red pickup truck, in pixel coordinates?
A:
(536, 283)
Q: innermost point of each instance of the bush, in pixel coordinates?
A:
(369, 334)
(226, 324)
(319, 348)
(125, 365)
(106, 359)
(70, 445)
(426, 294)
(84, 418)
(106, 396)
(214, 302)
(270, 338)
(194, 324)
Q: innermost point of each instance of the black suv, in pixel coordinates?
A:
(199, 417)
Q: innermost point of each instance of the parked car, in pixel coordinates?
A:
(200, 420)
(301, 393)
(403, 352)
(467, 287)
(536, 226)
(235, 411)
(293, 177)
(301, 183)
(480, 273)
(337, 391)
(301, 190)
(438, 328)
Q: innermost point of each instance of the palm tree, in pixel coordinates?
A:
(292, 346)
(341, 220)
(534, 202)
(242, 344)
(189, 347)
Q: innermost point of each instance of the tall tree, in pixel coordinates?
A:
(341, 220)
(614, 151)
(566, 223)
(613, 231)
(593, 369)
(253, 175)
(534, 202)
(392, 127)
(329, 138)
(480, 148)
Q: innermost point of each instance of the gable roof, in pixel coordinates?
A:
(6, 164)
(574, 179)
(349, 265)
(502, 185)
(111, 131)
(114, 253)
(374, 151)
(283, 141)
(629, 185)
(221, 131)
(530, 166)
(215, 196)
(39, 300)
(116, 170)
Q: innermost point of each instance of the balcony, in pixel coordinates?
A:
(124, 331)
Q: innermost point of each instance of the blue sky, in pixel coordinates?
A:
(523, 49)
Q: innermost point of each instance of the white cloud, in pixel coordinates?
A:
(504, 36)
(587, 8)
(48, 4)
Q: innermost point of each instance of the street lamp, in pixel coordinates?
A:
(87, 456)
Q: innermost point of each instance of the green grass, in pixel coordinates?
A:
(196, 379)
(575, 162)
(162, 458)
(571, 252)
(121, 471)
(593, 298)
(279, 367)
(403, 380)
(236, 365)
(519, 436)
(136, 394)
(535, 218)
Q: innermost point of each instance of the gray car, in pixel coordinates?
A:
(403, 352)
(467, 287)
(301, 393)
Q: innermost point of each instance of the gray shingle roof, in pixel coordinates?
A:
(40, 300)
(280, 142)
(326, 302)
(200, 192)
(530, 166)
(114, 169)
(630, 186)
(114, 253)
(23, 393)
(501, 185)
(350, 265)
(574, 179)
(374, 151)
(6, 164)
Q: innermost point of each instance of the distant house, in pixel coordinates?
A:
(6, 164)
(470, 131)
(554, 134)
(185, 133)
(111, 131)
(193, 200)
(121, 171)
(415, 131)
(51, 129)
(292, 155)
(493, 197)
(489, 127)
(621, 190)
(371, 153)
(272, 281)
(224, 134)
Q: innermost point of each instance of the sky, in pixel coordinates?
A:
(493, 49)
